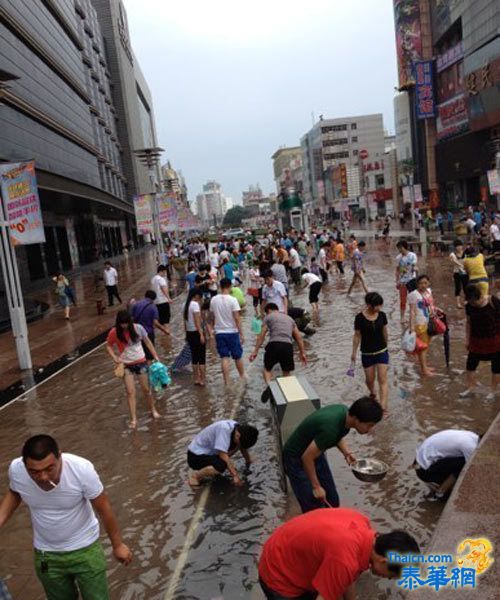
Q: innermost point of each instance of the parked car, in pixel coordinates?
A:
(234, 233)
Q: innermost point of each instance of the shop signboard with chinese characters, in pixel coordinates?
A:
(408, 38)
(424, 90)
(450, 57)
(339, 180)
(417, 191)
(452, 117)
(483, 89)
(21, 203)
(144, 213)
(494, 181)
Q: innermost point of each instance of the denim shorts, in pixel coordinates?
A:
(138, 369)
(369, 360)
(229, 345)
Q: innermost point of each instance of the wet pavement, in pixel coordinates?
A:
(205, 544)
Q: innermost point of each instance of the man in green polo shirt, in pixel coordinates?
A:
(303, 455)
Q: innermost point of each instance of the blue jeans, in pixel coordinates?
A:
(272, 595)
(302, 487)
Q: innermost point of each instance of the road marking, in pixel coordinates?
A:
(70, 364)
(193, 527)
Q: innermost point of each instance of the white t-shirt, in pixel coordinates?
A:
(295, 262)
(275, 294)
(310, 278)
(63, 518)
(214, 260)
(110, 276)
(445, 444)
(423, 313)
(223, 306)
(157, 283)
(322, 258)
(213, 439)
(495, 232)
(407, 265)
(194, 307)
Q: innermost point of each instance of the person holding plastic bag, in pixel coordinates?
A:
(422, 310)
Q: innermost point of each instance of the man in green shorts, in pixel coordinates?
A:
(304, 452)
(62, 491)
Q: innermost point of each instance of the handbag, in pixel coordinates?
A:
(254, 292)
(435, 326)
(120, 370)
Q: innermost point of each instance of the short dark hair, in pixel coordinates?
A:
(458, 242)
(225, 283)
(472, 292)
(161, 268)
(402, 244)
(268, 273)
(248, 436)
(271, 306)
(374, 299)
(39, 447)
(396, 541)
(366, 410)
(423, 276)
(361, 244)
(107, 263)
(151, 294)
(304, 270)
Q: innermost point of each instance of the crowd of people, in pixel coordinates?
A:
(324, 550)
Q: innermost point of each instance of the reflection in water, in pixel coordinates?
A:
(145, 471)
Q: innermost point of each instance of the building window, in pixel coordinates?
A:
(330, 128)
(335, 155)
(354, 139)
(354, 152)
(354, 125)
(335, 142)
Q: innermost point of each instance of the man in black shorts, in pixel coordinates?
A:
(282, 329)
(210, 451)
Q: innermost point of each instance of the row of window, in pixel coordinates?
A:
(340, 141)
(336, 155)
(343, 127)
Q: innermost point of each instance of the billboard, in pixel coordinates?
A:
(167, 212)
(21, 203)
(424, 90)
(452, 117)
(144, 213)
(408, 38)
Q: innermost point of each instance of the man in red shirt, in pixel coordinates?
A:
(323, 552)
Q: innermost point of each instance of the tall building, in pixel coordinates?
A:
(252, 196)
(57, 107)
(211, 204)
(287, 168)
(449, 67)
(173, 181)
(342, 160)
(132, 97)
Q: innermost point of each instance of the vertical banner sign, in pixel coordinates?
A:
(183, 218)
(21, 203)
(143, 214)
(424, 91)
(408, 38)
(167, 212)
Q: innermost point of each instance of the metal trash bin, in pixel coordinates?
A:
(292, 400)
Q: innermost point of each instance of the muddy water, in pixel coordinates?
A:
(145, 472)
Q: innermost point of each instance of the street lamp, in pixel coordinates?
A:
(150, 158)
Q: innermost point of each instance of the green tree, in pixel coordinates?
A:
(234, 216)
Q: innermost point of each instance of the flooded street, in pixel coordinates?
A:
(205, 544)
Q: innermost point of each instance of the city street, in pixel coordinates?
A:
(205, 544)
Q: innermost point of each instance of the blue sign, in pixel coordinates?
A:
(424, 90)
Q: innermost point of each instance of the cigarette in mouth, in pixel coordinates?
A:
(52, 483)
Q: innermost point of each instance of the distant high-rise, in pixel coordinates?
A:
(211, 203)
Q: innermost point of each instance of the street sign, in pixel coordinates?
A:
(363, 154)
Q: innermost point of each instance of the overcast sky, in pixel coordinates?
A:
(232, 81)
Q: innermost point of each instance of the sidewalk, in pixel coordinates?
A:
(53, 337)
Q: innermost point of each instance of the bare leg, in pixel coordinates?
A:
(470, 377)
(241, 368)
(66, 312)
(202, 373)
(352, 284)
(267, 376)
(197, 477)
(196, 374)
(285, 374)
(148, 395)
(447, 484)
(315, 308)
(370, 380)
(426, 371)
(362, 279)
(129, 382)
(383, 385)
(225, 370)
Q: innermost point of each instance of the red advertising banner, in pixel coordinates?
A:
(408, 38)
(452, 117)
